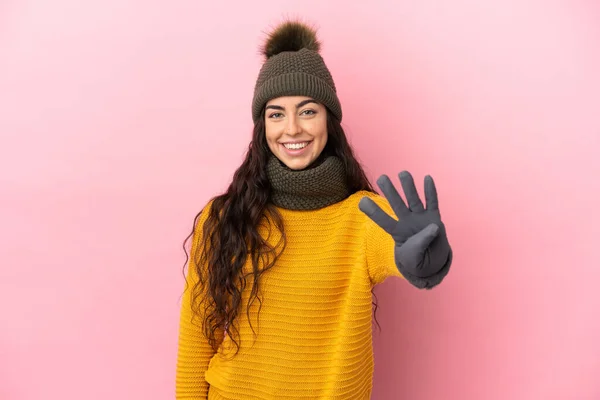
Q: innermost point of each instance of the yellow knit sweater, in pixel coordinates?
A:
(314, 328)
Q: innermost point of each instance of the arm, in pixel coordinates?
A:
(194, 352)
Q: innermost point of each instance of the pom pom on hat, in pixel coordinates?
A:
(290, 36)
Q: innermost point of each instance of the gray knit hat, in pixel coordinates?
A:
(294, 67)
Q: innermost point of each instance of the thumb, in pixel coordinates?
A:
(424, 238)
(411, 253)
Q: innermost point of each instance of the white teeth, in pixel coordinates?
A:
(296, 146)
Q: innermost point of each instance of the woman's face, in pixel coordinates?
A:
(296, 130)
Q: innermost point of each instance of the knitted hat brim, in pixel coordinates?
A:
(296, 84)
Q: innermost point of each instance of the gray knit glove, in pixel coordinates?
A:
(423, 254)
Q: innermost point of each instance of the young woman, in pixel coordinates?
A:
(282, 266)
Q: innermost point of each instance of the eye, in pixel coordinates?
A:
(275, 115)
(308, 112)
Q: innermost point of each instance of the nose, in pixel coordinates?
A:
(292, 126)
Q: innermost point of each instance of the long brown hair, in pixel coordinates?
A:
(230, 233)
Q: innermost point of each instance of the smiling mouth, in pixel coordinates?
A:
(296, 146)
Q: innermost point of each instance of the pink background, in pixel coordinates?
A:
(119, 119)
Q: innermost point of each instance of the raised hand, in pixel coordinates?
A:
(422, 247)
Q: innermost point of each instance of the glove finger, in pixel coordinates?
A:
(410, 191)
(431, 197)
(392, 195)
(380, 217)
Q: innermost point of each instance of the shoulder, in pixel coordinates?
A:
(205, 211)
(201, 218)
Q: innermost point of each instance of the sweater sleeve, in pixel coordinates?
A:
(194, 352)
(380, 246)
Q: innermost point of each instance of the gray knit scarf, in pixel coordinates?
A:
(321, 184)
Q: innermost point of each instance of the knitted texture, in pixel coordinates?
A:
(308, 189)
(314, 329)
(295, 73)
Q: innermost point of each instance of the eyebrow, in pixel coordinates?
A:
(301, 104)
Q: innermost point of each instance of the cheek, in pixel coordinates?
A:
(317, 129)
(321, 130)
(323, 135)
(270, 134)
